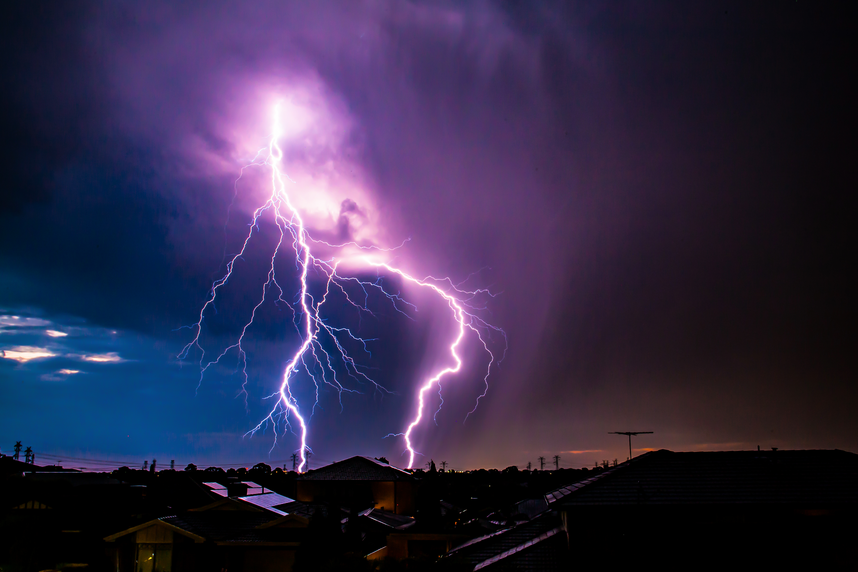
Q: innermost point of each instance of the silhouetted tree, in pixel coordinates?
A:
(261, 468)
(191, 467)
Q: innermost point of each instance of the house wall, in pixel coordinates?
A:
(384, 495)
(405, 501)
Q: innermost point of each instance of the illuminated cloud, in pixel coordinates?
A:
(60, 375)
(23, 354)
(10, 323)
(109, 357)
(581, 452)
(56, 333)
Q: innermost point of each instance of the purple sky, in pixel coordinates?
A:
(661, 197)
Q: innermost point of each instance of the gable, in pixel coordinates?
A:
(155, 532)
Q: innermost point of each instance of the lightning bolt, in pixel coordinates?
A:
(311, 356)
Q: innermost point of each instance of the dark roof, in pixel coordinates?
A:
(220, 526)
(389, 519)
(546, 553)
(357, 469)
(530, 507)
(801, 478)
(512, 542)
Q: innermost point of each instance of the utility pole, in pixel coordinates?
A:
(630, 433)
(172, 464)
(308, 453)
(444, 466)
(18, 447)
(145, 465)
(528, 465)
(556, 462)
(27, 454)
(152, 468)
(541, 463)
(294, 461)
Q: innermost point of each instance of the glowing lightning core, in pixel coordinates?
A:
(312, 328)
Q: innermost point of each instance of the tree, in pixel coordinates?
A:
(261, 468)
(191, 467)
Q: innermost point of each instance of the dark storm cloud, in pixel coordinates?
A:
(662, 194)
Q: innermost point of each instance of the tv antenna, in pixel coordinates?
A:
(630, 433)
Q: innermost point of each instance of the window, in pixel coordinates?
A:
(154, 558)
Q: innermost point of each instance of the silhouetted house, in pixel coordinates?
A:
(58, 519)
(228, 534)
(707, 509)
(360, 482)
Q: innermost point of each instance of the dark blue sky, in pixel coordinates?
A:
(663, 198)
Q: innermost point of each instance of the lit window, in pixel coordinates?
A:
(154, 557)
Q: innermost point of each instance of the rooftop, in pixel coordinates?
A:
(358, 469)
(806, 478)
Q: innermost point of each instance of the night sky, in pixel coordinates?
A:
(662, 196)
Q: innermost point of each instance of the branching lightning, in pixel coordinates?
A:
(311, 357)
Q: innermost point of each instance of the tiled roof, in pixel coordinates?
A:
(814, 479)
(558, 494)
(547, 553)
(358, 469)
(531, 507)
(217, 489)
(493, 548)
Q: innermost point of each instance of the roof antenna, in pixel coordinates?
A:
(630, 433)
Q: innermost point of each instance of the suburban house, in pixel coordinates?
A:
(360, 482)
(231, 534)
(708, 509)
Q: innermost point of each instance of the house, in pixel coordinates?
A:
(360, 482)
(710, 509)
(228, 534)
